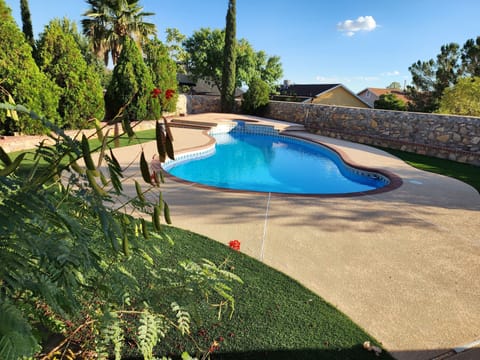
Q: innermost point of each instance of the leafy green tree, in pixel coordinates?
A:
(60, 57)
(390, 102)
(205, 53)
(205, 59)
(129, 90)
(227, 94)
(269, 69)
(256, 98)
(462, 98)
(21, 77)
(108, 22)
(174, 39)
(164, 73)
(27, 23)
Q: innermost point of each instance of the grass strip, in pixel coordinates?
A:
(141, 137)
(467, 173)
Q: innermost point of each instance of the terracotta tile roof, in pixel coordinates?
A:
(379, 91)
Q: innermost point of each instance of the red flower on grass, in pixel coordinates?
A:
(155, 92)
(169, 94)
(235, 245)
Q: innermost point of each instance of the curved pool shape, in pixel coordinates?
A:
(278, 164)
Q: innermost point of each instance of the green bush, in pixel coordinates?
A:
(256, 98)
(390, 102)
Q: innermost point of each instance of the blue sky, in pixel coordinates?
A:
(359, 43)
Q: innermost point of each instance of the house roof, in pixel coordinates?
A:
(380, 91)
(309, 90)
(202, 86)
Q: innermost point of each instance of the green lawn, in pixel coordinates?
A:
(141, 137)
(275, 317)
(467, 173)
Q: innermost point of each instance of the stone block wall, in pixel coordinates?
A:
(445, 136)
(197, 104)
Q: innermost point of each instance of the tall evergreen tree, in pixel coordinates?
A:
(27, 23)
(21, 77)
(130, 87)
(229, 62)
(471, 57)
(60, 57)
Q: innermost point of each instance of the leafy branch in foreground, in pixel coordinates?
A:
(80, 275)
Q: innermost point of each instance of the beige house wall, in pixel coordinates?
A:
(340, 97)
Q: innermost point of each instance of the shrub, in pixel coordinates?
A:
(256, 98)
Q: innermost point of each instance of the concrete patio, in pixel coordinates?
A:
(403, 264)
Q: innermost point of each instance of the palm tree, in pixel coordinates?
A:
(108, 22)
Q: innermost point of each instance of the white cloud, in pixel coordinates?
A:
(344, 79)
(391, 73)
(363, 23)
(327, 79)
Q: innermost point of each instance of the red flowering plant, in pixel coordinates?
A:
(155, 92)
(235, 245)
(168, 95)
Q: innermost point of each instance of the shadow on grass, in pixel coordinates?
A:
(355, 353)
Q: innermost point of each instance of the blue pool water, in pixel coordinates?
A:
(265, 163)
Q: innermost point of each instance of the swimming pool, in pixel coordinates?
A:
(266, 162)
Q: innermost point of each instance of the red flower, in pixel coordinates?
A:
(169, 94)
(155, 92)
(235, 245)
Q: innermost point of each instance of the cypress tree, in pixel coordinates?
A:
(229, 61)
(27, 23)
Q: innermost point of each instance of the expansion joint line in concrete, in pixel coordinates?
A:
(265, 223)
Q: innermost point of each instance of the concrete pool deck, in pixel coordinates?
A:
(404, 264)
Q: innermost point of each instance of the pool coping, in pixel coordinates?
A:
(395, 181)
